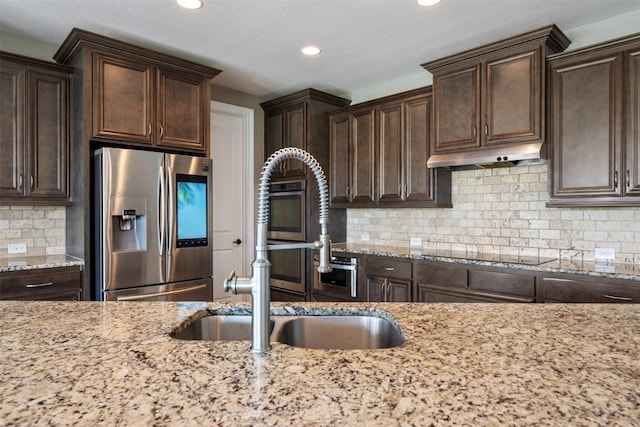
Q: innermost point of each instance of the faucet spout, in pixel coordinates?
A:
(258, 284)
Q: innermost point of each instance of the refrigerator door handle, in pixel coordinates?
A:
(171, 210)
(163, 209)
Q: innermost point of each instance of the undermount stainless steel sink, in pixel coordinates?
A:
(327, 332)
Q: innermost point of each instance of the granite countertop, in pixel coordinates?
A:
(95, 363)
(551, 265)
(37, 262)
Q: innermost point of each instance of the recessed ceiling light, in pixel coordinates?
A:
(190, 4)
(428, 2)
(311, 50)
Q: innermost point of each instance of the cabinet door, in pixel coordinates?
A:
(295, 136)
(390, 165)
(123, 99)
(398, 290)
(182, 113)
(362, 141)
(339, 167)
(274, 137)
(48, 136)
(586, 127)
(376, 289)
(632, 178)
(418, 178)
(456, 110)
(512, 102)
(12, 112)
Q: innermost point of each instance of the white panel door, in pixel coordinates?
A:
(232, 194)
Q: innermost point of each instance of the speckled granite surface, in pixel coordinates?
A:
(91, 363)
(37, 262)
(589, 268)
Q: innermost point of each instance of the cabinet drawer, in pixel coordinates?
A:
(40, 284)
(502, 283)
(385, 267)
(441, 275)
(577, 290)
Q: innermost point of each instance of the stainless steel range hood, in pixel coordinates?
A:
(507, 155)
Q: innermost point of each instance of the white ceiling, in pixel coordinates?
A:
(256, 43)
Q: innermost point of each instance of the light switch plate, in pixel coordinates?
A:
(605, 253)
(17, 248)
(415, 241)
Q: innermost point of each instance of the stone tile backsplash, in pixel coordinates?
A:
(502, 211)
(41, 228)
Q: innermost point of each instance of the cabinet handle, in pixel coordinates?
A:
(617, 298)
(149, 130)
(161, 131)
(628, 180)
(20, 181)
(31, 182)
(486, 130)
(38, 285)
(347, 192)
(389, 268)
(615, 180)
(475, 132)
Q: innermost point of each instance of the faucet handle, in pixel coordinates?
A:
(227, 282)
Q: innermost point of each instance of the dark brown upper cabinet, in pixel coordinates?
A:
(140, 97)
(299, 120)
(352, 142)
(379, 152)
(493, 95)
(34, 131)
(594, 117)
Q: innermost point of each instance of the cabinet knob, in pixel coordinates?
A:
(237, 242)
(31, 182)
(20, 181)
(615, 180)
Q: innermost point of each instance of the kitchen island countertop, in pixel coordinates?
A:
(95, 363)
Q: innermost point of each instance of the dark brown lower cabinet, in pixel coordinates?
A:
(387, 280)
(569, 288)
(441, 282)
(54, 284)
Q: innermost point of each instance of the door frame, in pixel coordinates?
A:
(247, 115)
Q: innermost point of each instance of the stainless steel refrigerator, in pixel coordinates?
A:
(152, 226)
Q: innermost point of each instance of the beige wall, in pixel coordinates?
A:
(502, 211)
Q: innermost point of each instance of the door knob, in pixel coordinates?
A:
(237, 241)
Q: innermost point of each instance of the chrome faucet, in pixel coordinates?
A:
(258, 284)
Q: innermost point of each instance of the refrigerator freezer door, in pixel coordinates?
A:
(189, 218)
(194, 290)
(129, 231)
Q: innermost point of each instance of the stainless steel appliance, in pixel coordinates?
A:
(342, 280)
(287, 225)
(288, 267)
(152, 224)
(287, 204)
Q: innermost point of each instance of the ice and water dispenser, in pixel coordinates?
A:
(129, 223)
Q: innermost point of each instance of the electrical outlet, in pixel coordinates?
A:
(605, 253)
(364, 237)
(415, 241)
(17, 248)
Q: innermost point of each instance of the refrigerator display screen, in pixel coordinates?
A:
(191, 210)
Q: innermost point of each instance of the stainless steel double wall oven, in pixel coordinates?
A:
(287, 224)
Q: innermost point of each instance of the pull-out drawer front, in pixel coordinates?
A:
(385, 267)
(441, 275)
(563, 289)
(39, 284)
(503, 283)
